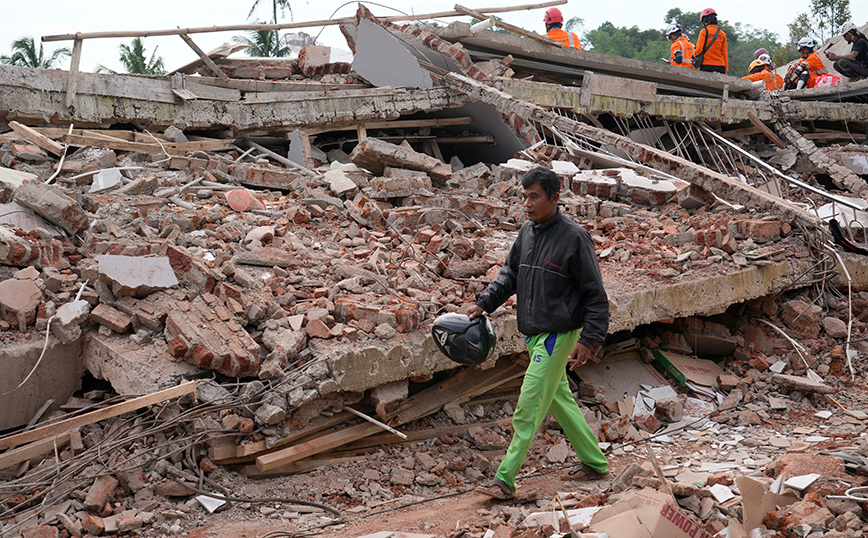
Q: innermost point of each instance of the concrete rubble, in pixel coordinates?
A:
(297, 293)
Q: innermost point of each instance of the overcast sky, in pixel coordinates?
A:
(49, 17)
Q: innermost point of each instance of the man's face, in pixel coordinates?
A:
(804, 52)
(537, 206)
(848, 37)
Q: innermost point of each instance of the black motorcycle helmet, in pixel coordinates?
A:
(464, 340)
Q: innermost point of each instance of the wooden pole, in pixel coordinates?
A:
(205, 58)
(288, 26)
(72, 81)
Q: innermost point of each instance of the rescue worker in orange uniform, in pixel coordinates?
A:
(554, 20)
(681, 50)
(711, 53)
(807, 69)
(759, 70)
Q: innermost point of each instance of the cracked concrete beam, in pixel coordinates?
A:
(841, 176)
(34, 93)
(725, 187)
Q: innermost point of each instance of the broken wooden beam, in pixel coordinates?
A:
(766, 130)
(508, 27)
(205, 58)
(34, 449)
(37, 138)
(727, 188)
(72, 81)
(56, 428)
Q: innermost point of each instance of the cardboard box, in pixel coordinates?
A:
(647, 514)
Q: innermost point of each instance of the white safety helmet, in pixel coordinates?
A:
(807, 42)
(671, 29)
(847, 27)
(765, 58)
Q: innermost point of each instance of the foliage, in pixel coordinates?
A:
(275, 4)
(263, 43)
(574, 24)
(821, 22)
(24, 53)
(648, 45)
(134, 59)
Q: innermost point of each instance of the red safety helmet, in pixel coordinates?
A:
(707, 11)
(554, 15)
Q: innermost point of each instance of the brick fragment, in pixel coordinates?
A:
(112, 318)
(100, 493)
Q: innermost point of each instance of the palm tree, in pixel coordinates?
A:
(263, 43)
(282, 4)
(24, 53)
(134, 60)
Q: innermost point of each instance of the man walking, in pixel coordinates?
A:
(563, 310)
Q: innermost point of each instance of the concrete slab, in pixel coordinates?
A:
(106, 179)
(136, 276)
(383, 61)
(132, 369)
(19, 300)
(58, 377)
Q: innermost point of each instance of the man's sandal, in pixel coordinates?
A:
(495, 488)
(584, 471)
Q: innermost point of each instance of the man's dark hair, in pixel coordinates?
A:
(548, 180)
(553, 25)
(709, 19)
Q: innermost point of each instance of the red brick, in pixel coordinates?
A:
(317, 329)
(93, 525)
(112, 318)
(100, 493)
(760, 230)
(42, 531)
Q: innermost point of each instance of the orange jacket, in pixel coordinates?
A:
(565, 39)
(717, 53)
(816, 68)
(683, 45)
(773, 81)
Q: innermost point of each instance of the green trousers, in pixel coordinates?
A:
(545, 388)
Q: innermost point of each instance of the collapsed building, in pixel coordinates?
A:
(233, 269)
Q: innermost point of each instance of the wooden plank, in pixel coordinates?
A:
(828, 137)
(37, 138)
(509, 27)
(287, 26)
(32, 450)
(387, 438)
(765, 130)
(205, 58)
(298, 467)
(117, 144)
(315, 446)
(459, 388)
(72, 81)
(56, 428)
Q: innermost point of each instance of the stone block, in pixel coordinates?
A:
(19, 300)
(761, 231)
(41, 531)
(53, 205)
(269, 177)
(136, 276)
(835, 327)
(385, 188)
(93, 525)
(112, 318)
(18, 249)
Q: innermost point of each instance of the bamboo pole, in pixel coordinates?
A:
(287, 26)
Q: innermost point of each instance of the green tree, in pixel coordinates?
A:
(263, 43)
(647, 45)
(25, 53)
(134, 59)
(574, 24)
(821, 22)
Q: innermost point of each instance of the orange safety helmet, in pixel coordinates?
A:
(553, 15)
(707, 11)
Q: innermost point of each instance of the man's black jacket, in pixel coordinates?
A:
(553, 269)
